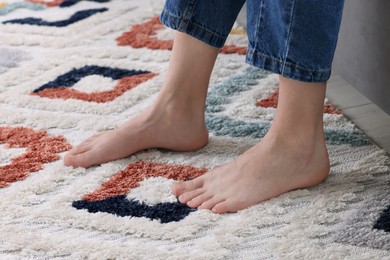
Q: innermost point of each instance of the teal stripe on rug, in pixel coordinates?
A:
(226, 126)
(219, 96)
(12, 7)
(223, 125)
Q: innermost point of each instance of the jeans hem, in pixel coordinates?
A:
(287, 69)
(193, 29)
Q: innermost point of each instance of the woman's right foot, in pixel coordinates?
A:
(176, 121)
(164, 126)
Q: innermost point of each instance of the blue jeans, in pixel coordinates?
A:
(294, 38)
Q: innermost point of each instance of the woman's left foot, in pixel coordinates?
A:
(275, 165)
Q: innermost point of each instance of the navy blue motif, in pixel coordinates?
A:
(78, 16)
(383, 223)
(121, 206)
(68, 3)
(72, 77)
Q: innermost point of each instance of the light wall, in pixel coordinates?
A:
(363, 53)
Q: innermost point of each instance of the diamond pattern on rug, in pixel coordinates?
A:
(60, 87)
(111, 196)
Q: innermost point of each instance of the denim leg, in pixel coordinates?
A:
(207, 20)
(294, 38)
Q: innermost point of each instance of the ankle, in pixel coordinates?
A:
(179, 109)
(297, 133)
(300, 147)
(303, 142)
(304, 147)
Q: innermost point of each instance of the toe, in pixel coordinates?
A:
(225, 206)
(185, 197)
(68, 159)
(197, 201)
(85, 145)
(79, 160)
(179, 188)
(209, 204)
(82, 148)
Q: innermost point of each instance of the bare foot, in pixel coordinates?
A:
(272, 167)
(159, 127)
(175, 122)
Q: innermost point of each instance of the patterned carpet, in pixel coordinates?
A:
(69, 69)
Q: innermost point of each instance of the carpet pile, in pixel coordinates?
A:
(69, 69)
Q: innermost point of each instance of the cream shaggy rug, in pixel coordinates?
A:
(69, 69)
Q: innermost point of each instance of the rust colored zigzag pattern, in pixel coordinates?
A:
(41, 149)
(140, 36)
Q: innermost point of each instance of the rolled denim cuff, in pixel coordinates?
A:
(286, 69)
(193, 29)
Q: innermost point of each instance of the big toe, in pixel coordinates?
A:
(78, 160)
(226, 206)
(82, 148)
